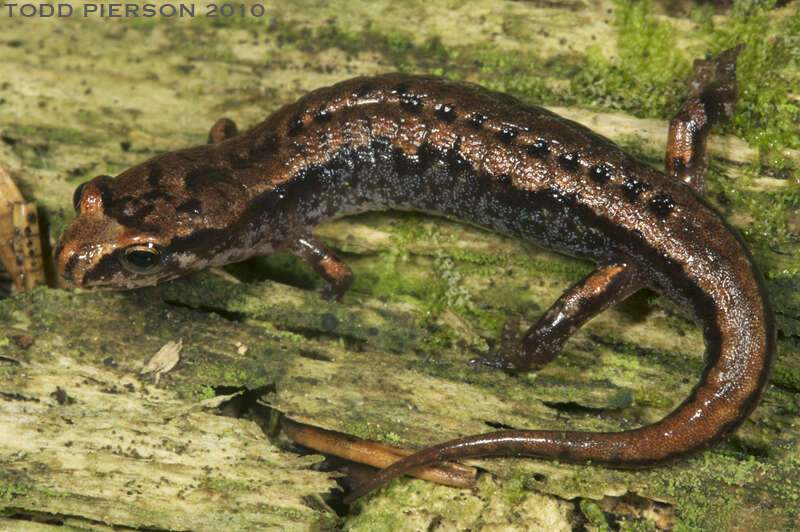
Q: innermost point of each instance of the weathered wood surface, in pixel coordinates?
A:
(87, 442)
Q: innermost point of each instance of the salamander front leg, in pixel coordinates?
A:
(602, 288)
(713, 98)
(318, 257)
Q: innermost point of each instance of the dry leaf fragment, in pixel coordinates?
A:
(164, 360)
(20, 243)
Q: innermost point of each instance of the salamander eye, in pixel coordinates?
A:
(76, 197)
(143, 258)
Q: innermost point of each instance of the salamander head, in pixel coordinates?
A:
(99, 250)
(147, 226)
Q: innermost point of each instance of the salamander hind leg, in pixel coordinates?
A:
(223, 129)
(607, 285)
(318, 257)
(713, 97)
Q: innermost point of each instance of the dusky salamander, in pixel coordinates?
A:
(423, 143)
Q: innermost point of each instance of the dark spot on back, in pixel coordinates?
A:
(538, 149)
(380, 144)
(322, 115)
(569, 162)
(456, 161)
(31, 218)
(401, 88)
(661, 205)
(506, 135)
(364, 91)
(426, 155)
(154, 174)
(363, 158)
(600, 174)
(295, 125)
(191, 206)
(122, 212)
(445, 113)
(632, 188)
(205, 176)
(402, 162)
(413, 165)
(477, 120)
(342, 162)
(410, 103)
(317, 173)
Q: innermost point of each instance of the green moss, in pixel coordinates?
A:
(290, 513)
(622, 398)
(386, 281)
(399, 47)
(766, 115)
(647, 397)
(12, 490)
(32, 144)
(288, 336)
(392, 438)
(476, 257)
(565, 268)
(593, 514)
(438, 338)
(712, 488)
(787, 378)
(514, 487)
(407, 227)
(368, 431)
(195, 391)
(225, 375)
(767, 212)
(54, 135)
(641, 79)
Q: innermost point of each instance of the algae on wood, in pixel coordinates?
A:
(84, 440)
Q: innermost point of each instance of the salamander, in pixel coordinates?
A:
(457, 150)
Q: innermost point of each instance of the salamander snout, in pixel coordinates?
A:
(75, 254)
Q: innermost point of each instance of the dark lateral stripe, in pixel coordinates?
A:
(105, 267)
(417, 180)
